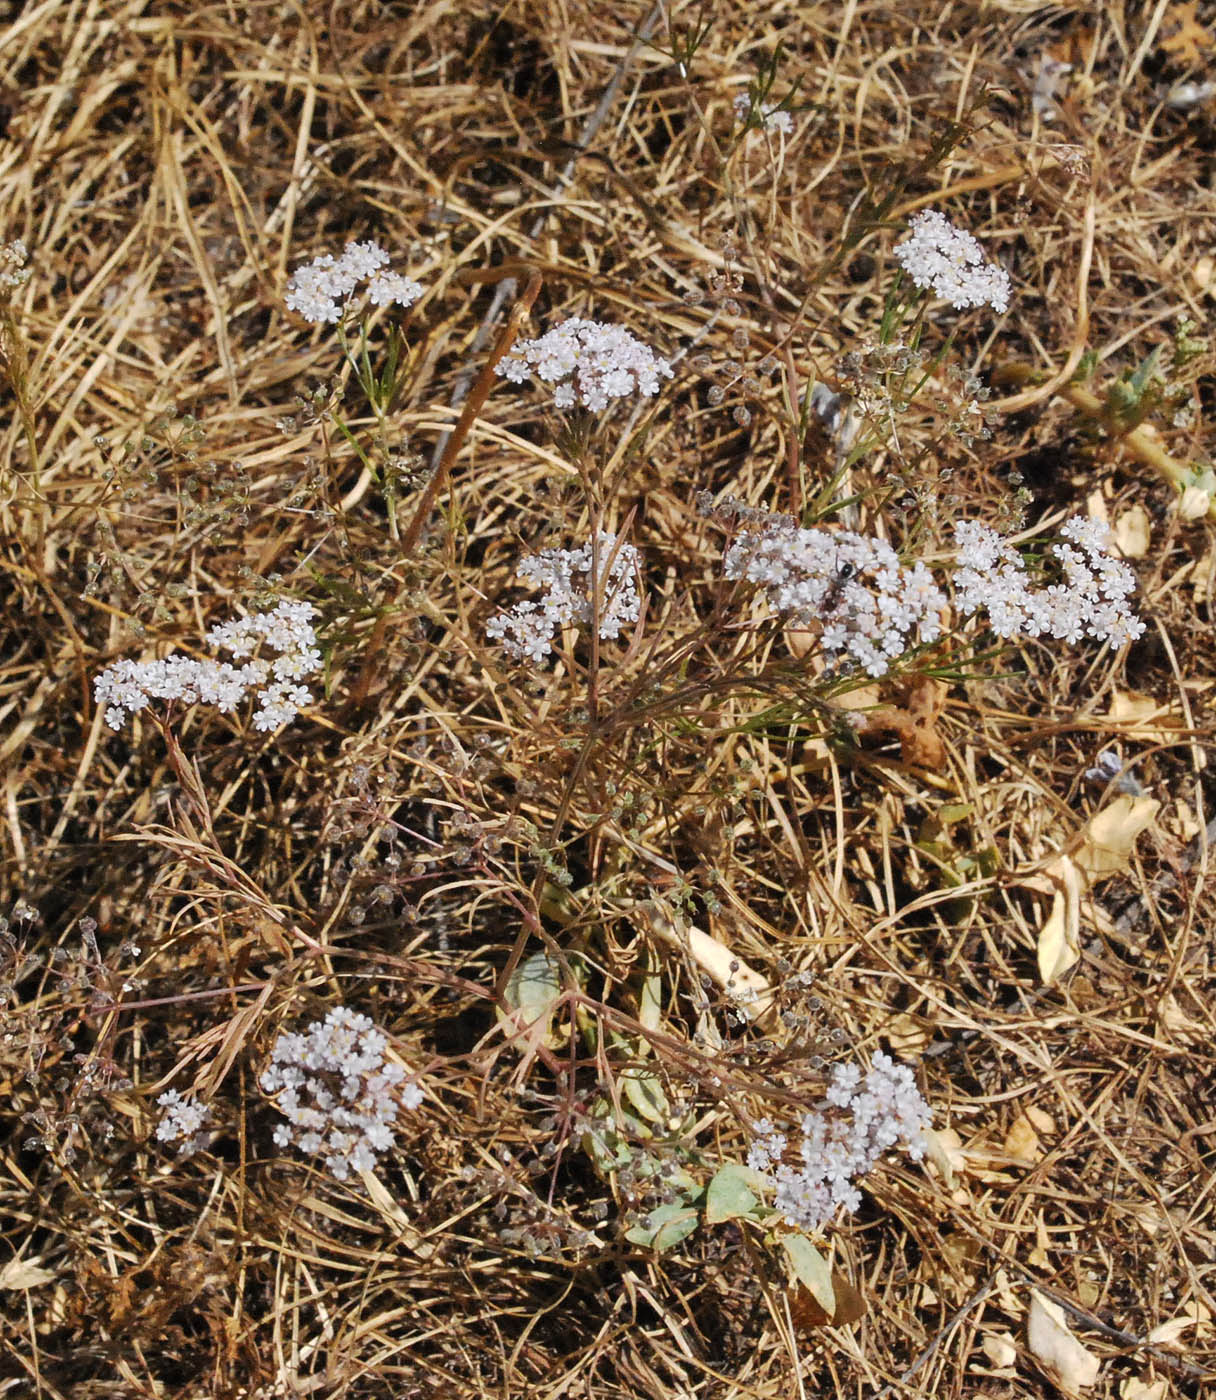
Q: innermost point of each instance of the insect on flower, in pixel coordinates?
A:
(835, 590)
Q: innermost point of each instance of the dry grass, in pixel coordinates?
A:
(394, 849)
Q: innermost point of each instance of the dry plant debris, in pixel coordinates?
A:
(785, 968)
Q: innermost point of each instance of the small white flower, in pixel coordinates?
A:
(884, 1108)
(590, 362)
(865, 603)
(320, 290)
(1091, 601)
(183, 1120)
(13, 271)
(127, 686)
(936, 254)
(772, 115)
(526, 630)
(349, 1118)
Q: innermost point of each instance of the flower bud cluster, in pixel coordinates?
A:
(936, 254)
(885, 1108)
(526, 630)
(769, 114)
(127, 686)
(13, 271)
(867, 605)
(1092, 600)
(338, 1091)
(590, 362)
(320, 290)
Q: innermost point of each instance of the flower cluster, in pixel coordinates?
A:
(773, 117)
(886, 1108)
(336, 1088)
(184, 1120)
(319, 290)
(590, 362)
(1091, 599)
(129, 686)
(948, 259)
(13, 271)
(526, 630)
(867, 605)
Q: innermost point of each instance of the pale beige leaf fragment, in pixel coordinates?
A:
(1110, 834)
(1072, 1366)
(750, 989)
(1142, 718)
(1102, 849)
(1195, 1314)
(944, 1149)
(21, 1273)
(1199, 576)
(1000, 1349)
(1194, 503)
(1133, 533)
(1133, 1389)
(1040, 1256)
(1060, 937)
(1022, 1141)
(908, 1035)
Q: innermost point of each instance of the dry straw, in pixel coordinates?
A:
(612, 911)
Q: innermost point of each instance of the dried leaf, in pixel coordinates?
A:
(1132, 1389)
(1103, 849)
(1193, 1315)
(806, 1312)
(1000, 1349)
(1133, 533)
(1200, 575)
(1065, 1360)
(1040, 1256)
(1060, 937)
(944, 1148)
(1108, 838)
(21, 1273)
(914, 721)
(812, 1269)
(749, 988)
(908, 1035)
(1022, 1141)
(1135, 715)
(1185, 37)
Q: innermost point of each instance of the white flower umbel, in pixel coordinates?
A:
(885, 1108)
(338, 1091)
(184, 1121)
(526, 630)
(127, 687)
(320, 290)
(867, 605)
(1091, 600)
(773, 117)
(950, 261)
(590, 362)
